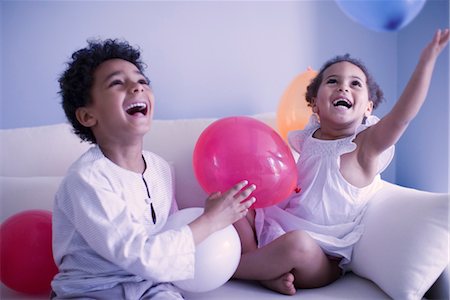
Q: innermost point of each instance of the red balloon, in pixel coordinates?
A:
(236, 148)
(27, 264)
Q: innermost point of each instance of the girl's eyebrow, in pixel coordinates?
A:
(353, 76)
(357, 77)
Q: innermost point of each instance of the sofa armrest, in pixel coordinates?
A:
(404, 248)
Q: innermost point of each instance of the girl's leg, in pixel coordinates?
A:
(245, 227)
(293, 253)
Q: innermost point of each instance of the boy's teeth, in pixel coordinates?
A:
(135, 107)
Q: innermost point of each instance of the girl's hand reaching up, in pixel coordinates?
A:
(223, 209)
(392, 126)
(434, 48)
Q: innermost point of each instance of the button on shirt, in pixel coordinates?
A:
(103, 231)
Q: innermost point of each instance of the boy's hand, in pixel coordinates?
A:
(223, 209)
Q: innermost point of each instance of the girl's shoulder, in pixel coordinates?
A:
(387, 155)
(296, 138)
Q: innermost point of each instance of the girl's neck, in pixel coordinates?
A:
(326, 134)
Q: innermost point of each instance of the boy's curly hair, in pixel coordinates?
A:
(375, 92)
(77, 80)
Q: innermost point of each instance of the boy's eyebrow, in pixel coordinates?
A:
(115, 73)
(112, 75)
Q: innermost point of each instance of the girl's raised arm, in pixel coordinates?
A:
(391, 127)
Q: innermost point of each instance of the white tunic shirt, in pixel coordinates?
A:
(103, 231)
(328, 207)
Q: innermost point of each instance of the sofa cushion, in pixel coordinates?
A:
(405, 246)
(24, 193)
(57, 147)
(175, 140)
(347, 287)
(39, 151)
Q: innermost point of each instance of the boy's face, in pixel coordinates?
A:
(122, 103)
(343, 96)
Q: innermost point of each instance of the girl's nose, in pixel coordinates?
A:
(136, 88)
(343, 88)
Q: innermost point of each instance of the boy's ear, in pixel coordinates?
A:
(369, 109)
(85, 117)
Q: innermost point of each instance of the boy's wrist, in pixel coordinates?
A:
(201, 228)
(209, 223)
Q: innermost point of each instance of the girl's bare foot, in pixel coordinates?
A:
(283, 284)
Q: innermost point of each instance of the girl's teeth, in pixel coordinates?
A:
(342, 102)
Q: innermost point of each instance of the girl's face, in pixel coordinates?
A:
(122, 103)
(342, 98)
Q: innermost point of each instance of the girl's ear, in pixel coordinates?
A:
(314, 108)
(85, 117)
(369, 109)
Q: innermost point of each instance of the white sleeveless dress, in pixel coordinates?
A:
(327, 207)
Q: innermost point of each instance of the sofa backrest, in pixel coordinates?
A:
(43, 154)
(39, 151)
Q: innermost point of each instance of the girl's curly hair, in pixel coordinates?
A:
(375, 92)
(77, 80)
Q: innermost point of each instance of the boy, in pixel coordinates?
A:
(115, 199)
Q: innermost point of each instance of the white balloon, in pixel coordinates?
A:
(216, 258)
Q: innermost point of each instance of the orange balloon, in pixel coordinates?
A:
(293, 110)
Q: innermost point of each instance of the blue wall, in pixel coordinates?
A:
(423, 151)
(206, 58)
(217, 58)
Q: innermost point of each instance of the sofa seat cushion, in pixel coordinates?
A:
(349, 286)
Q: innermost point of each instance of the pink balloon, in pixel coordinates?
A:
(236, 148)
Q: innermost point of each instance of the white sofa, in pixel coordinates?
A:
(402, 253)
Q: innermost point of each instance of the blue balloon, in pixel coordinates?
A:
(382, 15)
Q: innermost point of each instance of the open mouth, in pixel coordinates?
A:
(342, 102)
(137, 108)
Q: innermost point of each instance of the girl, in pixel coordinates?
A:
(306, 241)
